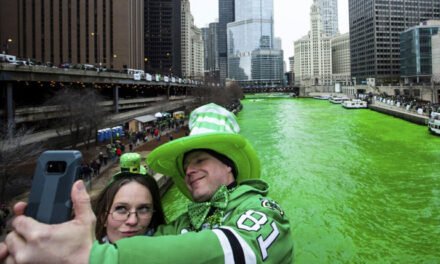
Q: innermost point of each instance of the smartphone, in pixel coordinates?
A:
(56, 171)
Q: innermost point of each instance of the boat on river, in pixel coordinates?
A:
(354, 104)
(434, 123)
(338, 99)
(322, 97)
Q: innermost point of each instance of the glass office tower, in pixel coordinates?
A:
(250, 45)
(226, 12)
(416, 53)
(375, 27)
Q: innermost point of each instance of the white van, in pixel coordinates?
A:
(148, 77)
(88, 67)
(8, 58)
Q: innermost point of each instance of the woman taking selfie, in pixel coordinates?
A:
(129, 206)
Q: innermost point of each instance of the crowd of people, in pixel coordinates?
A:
(409, 103)
(230, 218)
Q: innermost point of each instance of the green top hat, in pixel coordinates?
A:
(212, 127)
(130, 163)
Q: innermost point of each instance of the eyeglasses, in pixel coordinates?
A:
(122, 214)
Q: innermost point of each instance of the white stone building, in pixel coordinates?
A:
(197, 54)
(329, 16)
(435, 42)
(313, 60)
(186, 22)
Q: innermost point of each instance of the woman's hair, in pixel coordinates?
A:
(102, 204)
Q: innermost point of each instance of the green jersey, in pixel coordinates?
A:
(253, 229)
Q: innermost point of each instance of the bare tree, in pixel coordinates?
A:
(82, 114)
(13, 154)
(225, 96)
(234, 91)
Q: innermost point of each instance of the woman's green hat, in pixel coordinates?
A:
(130, 163)
(212, 127)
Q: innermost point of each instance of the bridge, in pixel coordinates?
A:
(24, 89)
(287, 89)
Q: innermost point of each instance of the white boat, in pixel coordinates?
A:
(434, 123)
(338, 100)
(322, 97)
(354, 104)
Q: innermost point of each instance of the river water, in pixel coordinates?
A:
(358, 186)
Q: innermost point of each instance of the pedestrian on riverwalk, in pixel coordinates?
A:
(230, 219)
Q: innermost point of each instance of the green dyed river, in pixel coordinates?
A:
(358, 186)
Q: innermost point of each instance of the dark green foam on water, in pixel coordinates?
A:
(358, 186)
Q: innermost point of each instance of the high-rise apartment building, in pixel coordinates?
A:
(251, 45)
(329, 16)
(162, 36)
(105, 33)
(187, 21)
(375, 27)
(226, 10)
(191, 44)
(416, 52)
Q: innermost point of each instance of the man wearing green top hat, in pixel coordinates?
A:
(229, 219)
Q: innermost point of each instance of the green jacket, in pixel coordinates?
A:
(254, 230)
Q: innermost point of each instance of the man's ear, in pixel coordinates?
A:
(229, 169)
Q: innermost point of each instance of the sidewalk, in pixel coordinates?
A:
(400, 112)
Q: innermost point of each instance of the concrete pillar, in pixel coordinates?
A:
(116, 99)
(10, 109)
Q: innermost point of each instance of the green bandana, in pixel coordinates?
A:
(198, 212)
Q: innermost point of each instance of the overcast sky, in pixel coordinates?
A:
(291, 18)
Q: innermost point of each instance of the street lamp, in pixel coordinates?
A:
(146, 64)
(97, 48)
(6, 45)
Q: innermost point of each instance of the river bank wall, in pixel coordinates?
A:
(399, 113)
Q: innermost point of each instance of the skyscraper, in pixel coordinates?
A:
(341, 59)
(375, 28)
(313, 60)
(252, 59)
(163, 36)
(187, 21)
(416, 52)
(210, 43)
(108, 33)
(226, 9)
(329, 15)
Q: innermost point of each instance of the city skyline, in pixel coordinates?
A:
(286, 14)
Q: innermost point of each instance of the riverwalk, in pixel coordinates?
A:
(400, 112)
